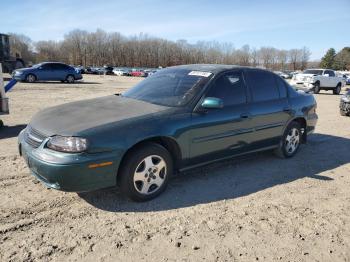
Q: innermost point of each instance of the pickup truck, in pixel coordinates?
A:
(318, 79)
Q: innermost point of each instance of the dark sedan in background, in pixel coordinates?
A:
(48, 71)
(345, 104)
(176, 119)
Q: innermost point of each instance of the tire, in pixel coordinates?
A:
(290, 141)
(317, 88)
(70, 79)
(30, 78)
(342, 113)
(337, 90)
(1, 123)
(145, 172)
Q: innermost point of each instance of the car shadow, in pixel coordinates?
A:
(64, 83)
(11, 131)
(235, 178)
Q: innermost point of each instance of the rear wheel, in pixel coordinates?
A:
(337, 90)
(70, 79)
(145, 172)
(30, 78)
(290, 141)
(317, 88)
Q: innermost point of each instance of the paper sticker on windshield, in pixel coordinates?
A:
(199, 73)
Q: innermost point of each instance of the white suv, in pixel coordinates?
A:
(318, 79)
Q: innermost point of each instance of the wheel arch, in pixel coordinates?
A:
(168, 143)
(303, 124)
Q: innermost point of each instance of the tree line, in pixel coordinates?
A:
(100, 48)
(336, 61)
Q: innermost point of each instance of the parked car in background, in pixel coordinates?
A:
(346, 78)
(282, 74)
(79, 69)
(319, 79)
(345, 104)
(118, 71)
(189, 115)
(48, 71)
(138, 73)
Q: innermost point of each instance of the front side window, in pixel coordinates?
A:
(230, 88)
(170, 87)
(46, 66)
(329, 72)
(262, 85)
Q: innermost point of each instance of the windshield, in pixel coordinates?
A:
(37, 65)
(313, 72)
(169, 87)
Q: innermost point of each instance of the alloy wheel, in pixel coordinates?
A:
(70, 79)
(150, 174)
(31, 78)
(292, 141)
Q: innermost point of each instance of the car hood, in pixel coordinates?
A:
(25, 69)
(76, 117)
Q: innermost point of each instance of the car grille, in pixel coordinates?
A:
(34, 137)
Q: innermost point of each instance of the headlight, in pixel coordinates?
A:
(18, 73)
(68, 144)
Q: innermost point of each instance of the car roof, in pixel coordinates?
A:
(213, 68)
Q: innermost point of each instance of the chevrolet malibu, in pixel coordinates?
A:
(179, 118)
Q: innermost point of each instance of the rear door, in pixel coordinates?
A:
(59, 71)
(217, 133)
(269, 107)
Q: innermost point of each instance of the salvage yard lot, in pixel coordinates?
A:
(256, 207)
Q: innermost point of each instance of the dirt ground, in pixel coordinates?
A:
(256, 207)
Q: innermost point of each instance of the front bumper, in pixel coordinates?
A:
(69, 172)
(19, 77)
(303, 84)
(78, 77)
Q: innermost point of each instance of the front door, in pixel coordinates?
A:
(217, 133)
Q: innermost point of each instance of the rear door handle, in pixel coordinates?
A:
(245, 115)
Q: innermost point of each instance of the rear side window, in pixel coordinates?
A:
(230, 88)
(282, 87)
(262, 85)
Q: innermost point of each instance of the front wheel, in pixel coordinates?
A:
(145, 172)
(337, 90)
(317, 88)
(290, 141)
(30, 78)
(70, 79)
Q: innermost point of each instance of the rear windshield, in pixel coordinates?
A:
(169, 87)
(314, 72)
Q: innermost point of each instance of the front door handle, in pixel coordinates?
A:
(287, 109)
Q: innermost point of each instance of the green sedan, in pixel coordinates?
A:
(178, 118)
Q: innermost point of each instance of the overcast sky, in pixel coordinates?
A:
(318, 25)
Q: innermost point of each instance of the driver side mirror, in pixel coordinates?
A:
(212, 103)
(40, 68)
(327, 75)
